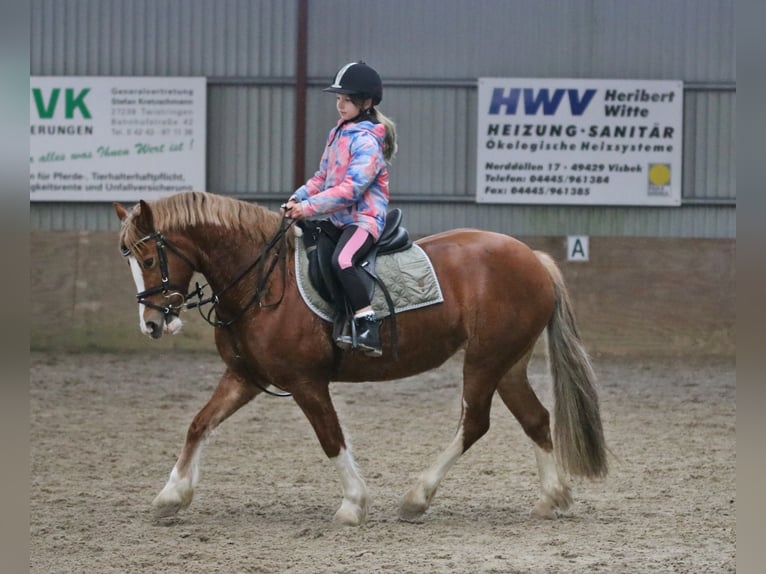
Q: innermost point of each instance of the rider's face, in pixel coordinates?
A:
(347, 109)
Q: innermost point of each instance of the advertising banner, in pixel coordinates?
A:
(579, 141)
(95, 138)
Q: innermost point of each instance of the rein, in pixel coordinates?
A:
(277, 243)
(174, 292)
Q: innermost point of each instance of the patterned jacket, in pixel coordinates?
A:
(351, 185)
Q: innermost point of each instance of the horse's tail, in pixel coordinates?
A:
(578, 434)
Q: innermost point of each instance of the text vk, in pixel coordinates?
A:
(72, 102)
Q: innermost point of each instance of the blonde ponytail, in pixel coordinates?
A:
(390, 145)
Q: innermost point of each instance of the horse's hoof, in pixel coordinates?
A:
(350, 515)
(413, 507)
(564, 498)
(167, 507)
(544, 509)
(551, 506)
(411, 514)
(166, 510)
(415, 502)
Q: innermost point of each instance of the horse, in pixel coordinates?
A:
(499, 298)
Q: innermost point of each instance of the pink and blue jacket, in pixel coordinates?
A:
(351, 185)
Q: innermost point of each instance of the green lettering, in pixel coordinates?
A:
(43, 111)
(73, 103)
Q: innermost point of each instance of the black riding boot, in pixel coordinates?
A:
(368, 335)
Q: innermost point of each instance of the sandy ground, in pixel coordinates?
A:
(106, 429)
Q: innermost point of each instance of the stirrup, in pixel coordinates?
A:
(373, 352)
(344, 340)
(343, 343)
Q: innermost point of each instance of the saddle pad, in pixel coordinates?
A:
(408, 276)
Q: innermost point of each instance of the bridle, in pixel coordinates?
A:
(169, 290)
(178, 301)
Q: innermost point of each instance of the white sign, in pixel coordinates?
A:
(95, 138)
(577, 248)
(579, 141)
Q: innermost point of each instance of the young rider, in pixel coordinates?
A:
(350, 188)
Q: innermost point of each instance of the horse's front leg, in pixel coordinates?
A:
(231, 393)
(314, 399)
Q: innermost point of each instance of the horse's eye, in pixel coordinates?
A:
(124, 251)
(149, 263)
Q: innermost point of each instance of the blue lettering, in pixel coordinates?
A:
(578, 106)
(532, 103)
(511, 101)
(547, 100)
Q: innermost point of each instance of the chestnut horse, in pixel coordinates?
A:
(499, 298)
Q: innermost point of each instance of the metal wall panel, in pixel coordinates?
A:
(520, 220)
(527, 220)
(250, 139)
(163, 37)
(451, 38)
(709, 145)
(429, 52)
(411, 43)
(691, 40)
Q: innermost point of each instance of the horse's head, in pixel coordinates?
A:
(161, 270)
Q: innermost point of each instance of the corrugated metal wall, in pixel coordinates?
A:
(253, 38)
(691, 40)
(429, 53)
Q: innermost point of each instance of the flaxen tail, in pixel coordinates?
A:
(578, 436)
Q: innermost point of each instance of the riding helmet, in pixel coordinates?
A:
(357, 78)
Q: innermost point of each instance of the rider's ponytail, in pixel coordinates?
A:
(390, 144)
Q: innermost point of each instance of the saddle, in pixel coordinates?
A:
(320, 238)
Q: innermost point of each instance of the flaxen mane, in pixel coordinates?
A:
(184, 210)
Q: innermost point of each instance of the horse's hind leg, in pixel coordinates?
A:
(314, 400)
(231, 394)
(518, 396)
(479, 384)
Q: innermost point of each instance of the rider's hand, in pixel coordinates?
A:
(293, 209)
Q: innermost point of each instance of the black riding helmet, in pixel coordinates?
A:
(359, 79)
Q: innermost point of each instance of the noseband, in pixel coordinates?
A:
(174, 294)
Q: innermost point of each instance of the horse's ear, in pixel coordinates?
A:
(121, 212)
(144, 218)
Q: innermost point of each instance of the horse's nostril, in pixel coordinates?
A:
(156, 330)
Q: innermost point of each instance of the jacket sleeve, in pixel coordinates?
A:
(365, 164)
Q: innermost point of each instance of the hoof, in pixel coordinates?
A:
(549, 505)
(350, 514)
(166, 506)
(411, 513)
(414, 506)
(544, 509)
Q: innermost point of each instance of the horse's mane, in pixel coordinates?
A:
(190, 209)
